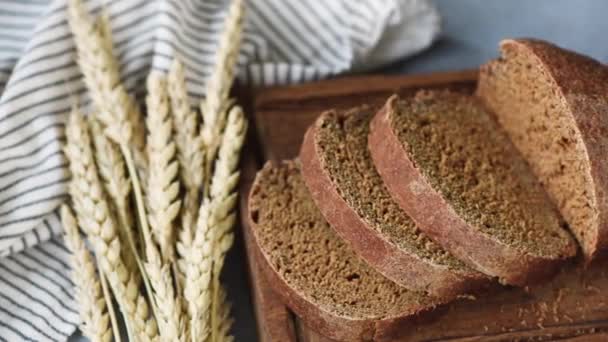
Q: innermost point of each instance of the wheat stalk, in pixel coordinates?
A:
(95, 218)
(163, 186)
(92, 304)
(215, 105)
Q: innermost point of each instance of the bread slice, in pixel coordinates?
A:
(317, 275)
(339, 172)
(455, 172)
(554, 105)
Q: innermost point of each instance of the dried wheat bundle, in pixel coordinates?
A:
(91, 302)
(195, 222)
(95, 218)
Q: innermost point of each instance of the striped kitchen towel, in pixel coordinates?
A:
(285, 41)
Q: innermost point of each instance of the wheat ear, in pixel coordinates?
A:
(189, 144)
(91, 302)
(223, 195)
(197, 288)
(163, 185)
(213, 236)
(215, 104)
(116, 183)
(116, 107)
(190, 155)
(96, 220)
(118, 111)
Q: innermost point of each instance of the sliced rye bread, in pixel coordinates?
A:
(554, 105)
(318, 275)
(343, 182)
(454, 171)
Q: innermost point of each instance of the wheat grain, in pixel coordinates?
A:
(95, 218)
(91, 302)
(215, 105)
(163, 185)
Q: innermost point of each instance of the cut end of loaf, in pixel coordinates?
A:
(552, 103)
(320, 275)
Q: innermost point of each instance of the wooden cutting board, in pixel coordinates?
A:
(574, 306)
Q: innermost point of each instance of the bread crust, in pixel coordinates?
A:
(437, 218)
(582, 83)
(400, 266)
(331, 325)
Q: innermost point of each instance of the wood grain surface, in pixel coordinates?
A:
(573, 306)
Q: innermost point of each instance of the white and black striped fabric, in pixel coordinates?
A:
(285, 41)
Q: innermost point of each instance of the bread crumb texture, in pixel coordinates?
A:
(462, 152)
(306, 253)
(341, 141)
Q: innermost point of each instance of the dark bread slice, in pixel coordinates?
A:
(343, 182)
(455, 172)
(554, 105)
(316, 274)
